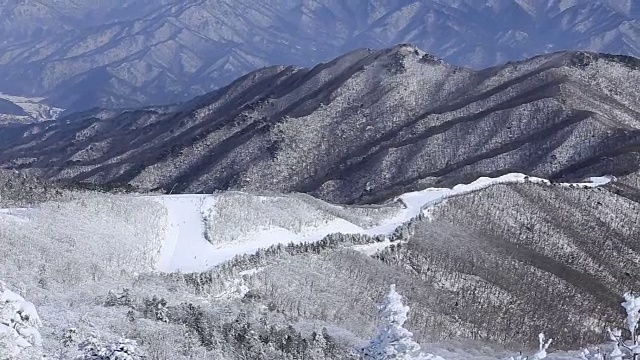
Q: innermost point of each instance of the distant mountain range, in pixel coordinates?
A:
(359, 129)
(123, 53)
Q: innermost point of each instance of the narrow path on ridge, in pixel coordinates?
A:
(185, 247)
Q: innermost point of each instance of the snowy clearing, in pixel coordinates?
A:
(35, 107)
(193, 233)
(190, 245)
(187, 249)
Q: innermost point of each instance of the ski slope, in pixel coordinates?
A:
(37, 109)
(186, 248)
(193, 233)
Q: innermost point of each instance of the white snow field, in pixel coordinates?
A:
(35, 107)
(114, 240)
(193, 233)
(206, 230)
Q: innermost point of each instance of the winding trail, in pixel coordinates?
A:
(186, 249)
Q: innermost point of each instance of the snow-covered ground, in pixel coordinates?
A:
(193, 233)
(191, 246)
(187, 249)
(19, 323)
(102, 237)
(37, 109)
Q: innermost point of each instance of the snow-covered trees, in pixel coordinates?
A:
(621, 348)
(156, 309)
(393, 341)
(615, 336)
(627, 349)
(543, 345)
(123, 349)
(594, 354)
(19, 323)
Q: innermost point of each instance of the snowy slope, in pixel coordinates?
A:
(190, 246)
(394, 120)
(193, 233)
(35, 108)
(107, 238)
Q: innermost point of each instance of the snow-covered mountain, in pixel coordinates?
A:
(18, 109)
(81, 54)
(362, 128)
(467, 259)
(264, 219)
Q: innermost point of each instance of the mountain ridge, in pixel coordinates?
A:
(361, 128)
(139, 53)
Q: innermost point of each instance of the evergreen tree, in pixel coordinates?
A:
(393, 340)
(156, 309)
(627, 349)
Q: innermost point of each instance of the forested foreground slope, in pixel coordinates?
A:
(540, 257)
(500, 264)
(497, 265)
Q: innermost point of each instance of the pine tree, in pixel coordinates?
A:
(318, 346)
(393, 340)
(156, 309)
